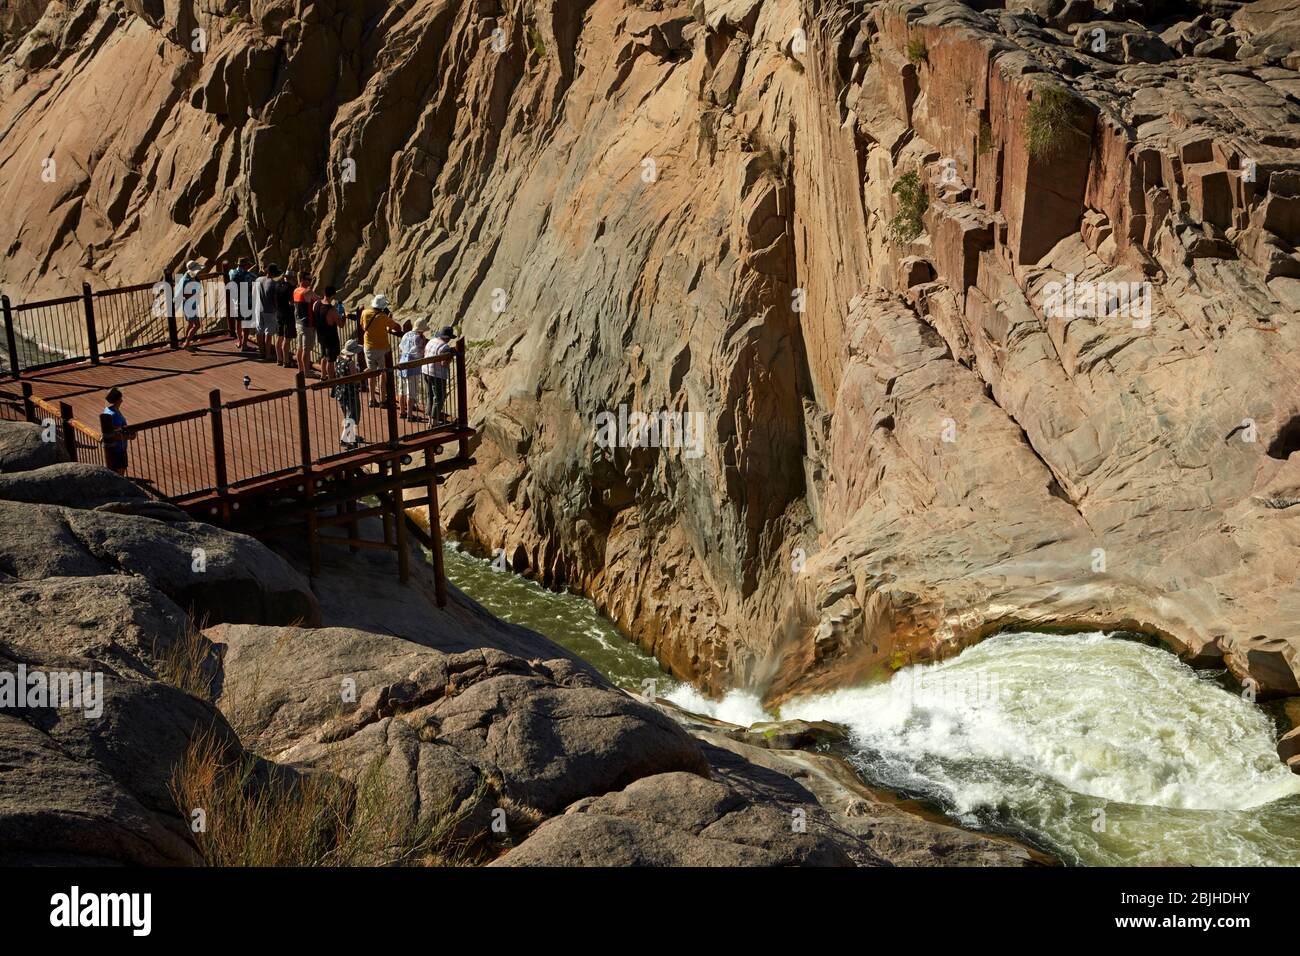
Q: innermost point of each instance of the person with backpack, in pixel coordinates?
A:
(438, 374)
(328, 316)
(377, 324)
(348, 395)
(284, 321)
(266, 298)
(240, 291)
(304, 322)
(411, 349)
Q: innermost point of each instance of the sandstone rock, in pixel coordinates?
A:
(676, 820)
(1288, 747)
(22, 448)
(792, 734)
(542, 734)
(73, 484)
(1217, 47)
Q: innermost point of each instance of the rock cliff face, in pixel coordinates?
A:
(838, 233)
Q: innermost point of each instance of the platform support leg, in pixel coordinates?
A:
(399, 522)
(435, 533)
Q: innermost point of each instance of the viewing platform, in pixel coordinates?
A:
(275, 456)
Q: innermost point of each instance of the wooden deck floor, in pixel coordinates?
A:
(262, 440)
(159, 383)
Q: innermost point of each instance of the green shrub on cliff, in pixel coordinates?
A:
(913, 201)
(535, 40)
(917, 51)
(1049, 122)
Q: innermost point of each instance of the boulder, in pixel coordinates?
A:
(538, 734)
(677, 819)
(23, 447)
(73, 484)
(214, 575)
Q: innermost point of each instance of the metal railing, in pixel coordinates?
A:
(228, 444)
(292, 431)
(95, 324)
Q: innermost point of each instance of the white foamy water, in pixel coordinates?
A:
(1105, 750)
(737, 707)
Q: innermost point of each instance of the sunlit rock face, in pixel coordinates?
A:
(956, 351)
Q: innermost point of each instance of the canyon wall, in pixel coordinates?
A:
(829, 233)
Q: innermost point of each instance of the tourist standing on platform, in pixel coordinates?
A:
(328, 313)
(115, 439)
(189, 301)
(241, 289)
(284, 328)
(348, 395)
(304, 322)
(376, 325)
(265, 304)
(438, 373)
(411, 348)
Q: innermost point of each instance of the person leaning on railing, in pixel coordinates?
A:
(410, 349)
(348, 395)
(438, 374)
(115, 437)
(376, 325)
(189, 293)
(241, 284)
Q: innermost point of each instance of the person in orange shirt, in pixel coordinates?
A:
(304, 298)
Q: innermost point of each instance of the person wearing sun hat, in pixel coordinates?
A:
(411, 349)
(376, 325)
(438, 374)
(189, 298)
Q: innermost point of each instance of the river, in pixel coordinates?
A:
(1101, 749)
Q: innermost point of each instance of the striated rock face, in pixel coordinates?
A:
(908, 436)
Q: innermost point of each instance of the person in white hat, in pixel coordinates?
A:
(410, 349)
(438, 374)
(377, 325)
(189, 298)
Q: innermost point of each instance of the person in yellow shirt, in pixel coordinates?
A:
(376, 325)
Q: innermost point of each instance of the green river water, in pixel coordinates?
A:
(1101, 750)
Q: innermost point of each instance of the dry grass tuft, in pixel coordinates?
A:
(254, 814)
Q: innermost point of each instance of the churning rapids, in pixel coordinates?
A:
(1106, 751)
(1103, 750)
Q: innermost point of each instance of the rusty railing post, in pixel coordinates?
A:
(92, 337)
(399, 516)
(11, 336)
(224, 267)
(69, 434)
(462, 390)
(308, 479)
(219, 450)
(390, 401)
(173, 335)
